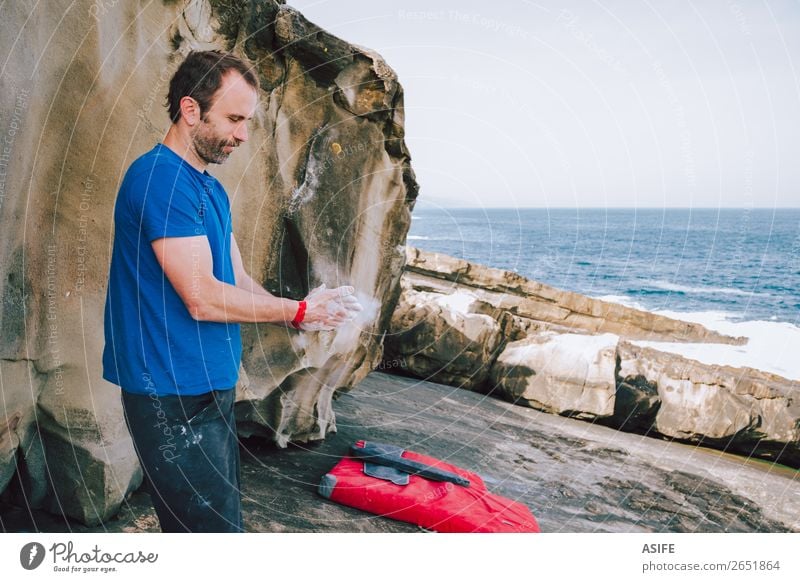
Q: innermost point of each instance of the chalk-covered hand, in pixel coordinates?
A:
(353, 307)
(327, 309)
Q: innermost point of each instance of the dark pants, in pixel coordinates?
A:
(189, 453)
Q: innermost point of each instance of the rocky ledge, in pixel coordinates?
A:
(574, 476)
(494, 331)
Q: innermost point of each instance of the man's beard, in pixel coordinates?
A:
(209, 147)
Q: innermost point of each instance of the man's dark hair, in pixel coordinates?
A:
(199, 77)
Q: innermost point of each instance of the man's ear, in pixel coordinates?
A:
(190, 111)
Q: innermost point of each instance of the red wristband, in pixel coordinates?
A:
(300, 315)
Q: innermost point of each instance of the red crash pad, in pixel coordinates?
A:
(435, 505)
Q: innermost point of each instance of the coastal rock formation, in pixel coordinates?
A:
(321, 192)
(739, 409)
(435, 336)
(572, 355)
(570, 374)
(510, 292)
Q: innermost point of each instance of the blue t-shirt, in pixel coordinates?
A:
(152, 343)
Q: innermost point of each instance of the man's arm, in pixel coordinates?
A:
(247, 283)
(188, 264)
(243, 280)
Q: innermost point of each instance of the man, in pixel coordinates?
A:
(177, 292)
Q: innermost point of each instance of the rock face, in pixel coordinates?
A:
(569, 374)
(322, 192)
(571, 355)
(440, 343)
(740, 409)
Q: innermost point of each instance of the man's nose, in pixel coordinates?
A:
(241, 132)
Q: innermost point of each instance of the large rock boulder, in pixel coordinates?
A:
(322, 192)
(742, 410)
(568, 374)
(436, 337)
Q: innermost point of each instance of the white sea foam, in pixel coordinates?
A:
(622, 300)
(417, 237)
(667, 286)
(772, 345)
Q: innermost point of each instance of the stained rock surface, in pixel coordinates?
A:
(321, 192)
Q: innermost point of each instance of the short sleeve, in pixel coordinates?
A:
(167, 205)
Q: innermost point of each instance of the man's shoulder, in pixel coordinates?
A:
(156, 162)
(153, 171)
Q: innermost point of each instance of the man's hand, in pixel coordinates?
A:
(327, 309)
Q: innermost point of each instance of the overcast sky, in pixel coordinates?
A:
(576, 104)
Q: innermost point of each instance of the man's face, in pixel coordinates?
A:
(224, 126)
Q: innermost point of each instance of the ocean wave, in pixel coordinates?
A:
(623, 300)
(685, 289)
(711, 318)
(417, 237)
(644, 291)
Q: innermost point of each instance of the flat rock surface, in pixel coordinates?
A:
(575, 476)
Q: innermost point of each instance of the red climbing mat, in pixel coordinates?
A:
(442, 506)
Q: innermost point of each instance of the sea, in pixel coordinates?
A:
(733, 270)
